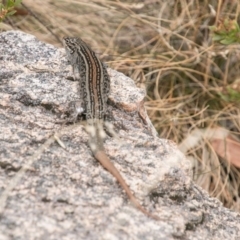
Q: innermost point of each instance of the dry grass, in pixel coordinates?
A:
(166, 47)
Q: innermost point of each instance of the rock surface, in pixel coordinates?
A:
(50, 185)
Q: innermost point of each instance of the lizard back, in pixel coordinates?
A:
(93, 77)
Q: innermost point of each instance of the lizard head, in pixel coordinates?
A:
(71, 44)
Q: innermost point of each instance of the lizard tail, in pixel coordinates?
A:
(107, 164)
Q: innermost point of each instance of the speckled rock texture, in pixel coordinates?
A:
(51, 187)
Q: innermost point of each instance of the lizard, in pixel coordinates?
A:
(94, 82)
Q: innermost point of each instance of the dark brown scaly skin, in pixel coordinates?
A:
(95, 85)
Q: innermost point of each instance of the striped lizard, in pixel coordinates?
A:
(94, 90)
